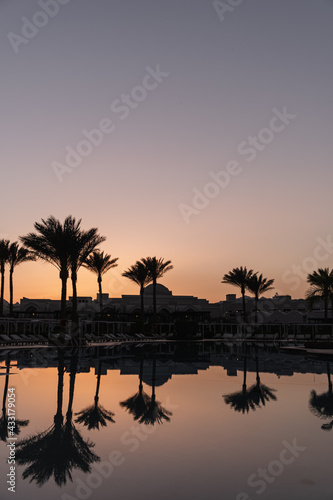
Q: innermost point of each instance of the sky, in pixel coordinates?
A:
(193, 130)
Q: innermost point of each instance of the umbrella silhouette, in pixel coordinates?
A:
(321, 405)
(95, 415)
(60, 448)
(4, 417)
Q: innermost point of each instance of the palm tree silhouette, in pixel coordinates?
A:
(100, 263)
(156, 269)
(52, 243)
(321, 288)
(258, 285)
(244, 400)
(83, 244)
(321, 405)
(4, 417)
(140, 275)
(95, 415)
(137, 405)
(61, 448)
(65, 246)
(154, 411)
(4, 252)
(16, 256)
(240, 277)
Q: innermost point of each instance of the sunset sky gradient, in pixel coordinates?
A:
(225, 79)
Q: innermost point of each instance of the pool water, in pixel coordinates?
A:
(168, 421)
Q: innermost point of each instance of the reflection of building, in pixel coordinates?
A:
(127, 307)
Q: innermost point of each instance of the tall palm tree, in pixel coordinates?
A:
(240, 277)
(100, 263)
(4, 249)
(83, 244)
(140, 275)
(321, 288)
(16, 256)
(258, 285)
(52, 243)
(156, 269)
(95, 415)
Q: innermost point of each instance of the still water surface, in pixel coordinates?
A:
(171, 421)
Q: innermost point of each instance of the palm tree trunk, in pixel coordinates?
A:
(244, 305)
(142, 309)
(257, 370)
(63, 277)
(153, 382)
(74, 298)
(11, 293)
(98, 380)
(244, 373)
(256, 309)
(58, 417)
(99, 279)
(72, 377)
(6, 387)
(326, 308)
(141, 376)
(2, 287)
(154, 302)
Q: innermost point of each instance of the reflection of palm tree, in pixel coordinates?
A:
(154, 411)
(59, 449)
(95, 415)
(140, 275)
(4, 417)
(321, 405)
(240, 277)
(137, 404)
(244, 400)
(261, 393)
(100, 263)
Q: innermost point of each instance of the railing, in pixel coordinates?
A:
(48, 327)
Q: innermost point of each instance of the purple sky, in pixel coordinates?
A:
(221, 81)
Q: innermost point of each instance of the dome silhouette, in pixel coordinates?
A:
(160, 290)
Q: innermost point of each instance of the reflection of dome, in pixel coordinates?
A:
(160, 290)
